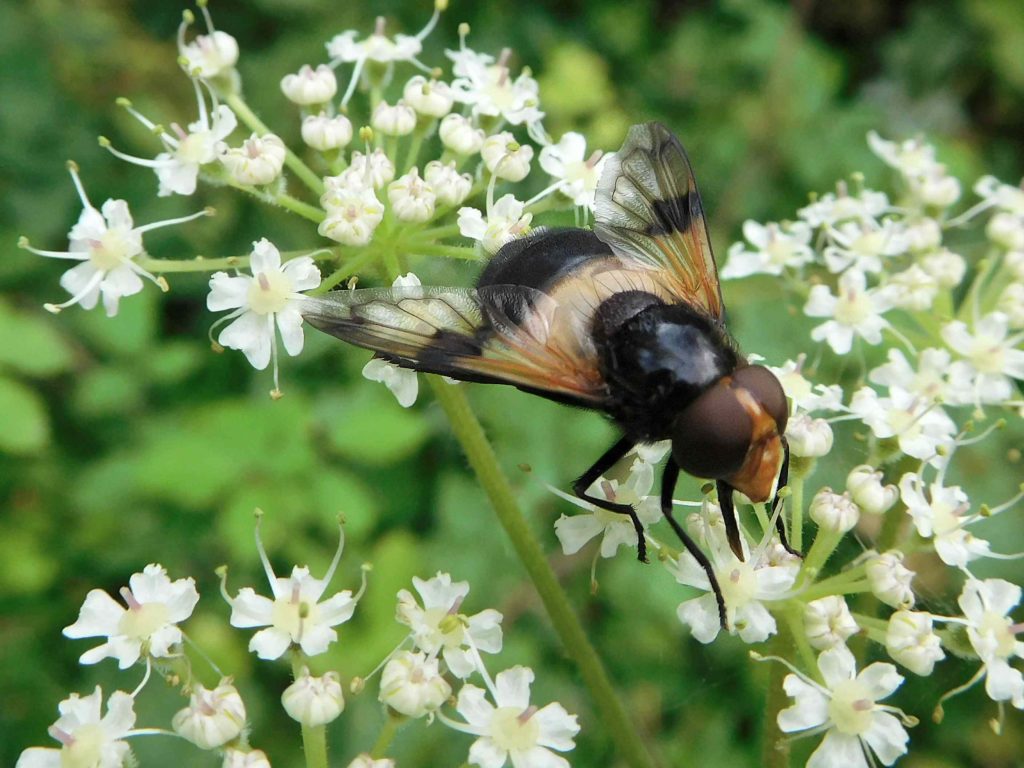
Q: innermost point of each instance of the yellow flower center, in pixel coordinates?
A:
(111, 251)
(269, 293)
(291, 615)
(998, 626)
(514, 730)
(851, 707)
(139, 623)
(853, 307)
(739, 585)
(85, 748)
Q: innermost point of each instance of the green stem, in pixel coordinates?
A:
(774, 750)
(464, 252)
(202, 264)
(348, 269)
(299, 168)
(387, 735)
(796, 512)
(305, 210)
(481, 457)
(314, 740)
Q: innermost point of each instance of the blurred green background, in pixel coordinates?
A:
(125, 441)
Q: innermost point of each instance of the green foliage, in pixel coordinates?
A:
(124, 441)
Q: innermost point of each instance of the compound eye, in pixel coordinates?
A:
(711, 437)
(766, 389)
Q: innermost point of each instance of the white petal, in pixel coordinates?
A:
(289, 323)
(485, 629)
(227, 292)
(881, 679)
(77, 278)
(485, 753)
(538, 757)
(557, 727)
(99, 615)
(837, 750)
(886, 737)
(576, 530)
(161, 641)
(1001, 596)
(337, 609)
(251, 334)
(316, 639)
(1003, 682)
(270, 643)
(809, 710)
(837, 664)
(512, 687)
(701, 615)
(120, 717)
(39, 757)
(473, 705)
(265, 257)
(251, 610)
(303, 273)
(755, 622)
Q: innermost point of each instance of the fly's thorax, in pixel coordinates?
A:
(657, 358)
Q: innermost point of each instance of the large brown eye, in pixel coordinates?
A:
(767, 390)
(710, 438)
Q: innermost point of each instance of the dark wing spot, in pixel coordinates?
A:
(671, 216)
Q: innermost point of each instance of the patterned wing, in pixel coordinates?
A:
(649, 211)
(505, 334)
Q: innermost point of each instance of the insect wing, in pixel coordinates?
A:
(506, 334)
(648, 211)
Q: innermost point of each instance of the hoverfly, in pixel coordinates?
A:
(626, 319)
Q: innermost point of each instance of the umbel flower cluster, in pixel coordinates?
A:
(921, 327)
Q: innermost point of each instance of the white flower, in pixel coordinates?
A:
(460, 135)
(432, 98)
(942, 516)
(1006, 197)
(830, 208)
(314, 701)
(237, 758)
(1011, 304)
(946, 267)
(614, 529)
(910, 641)
(439, 627)
(505, 157)
(890, 579)
(403, 382)
(371, 171)
(353, 213)
(411, 684)
(505, 221)
(310, 86)
(846, 708)
(931, 382)
(379, 47)
(295, 614)
(855, 310)
(450, 187)
(575, 174)
(828, 622)
(325, 133)
(269, 297)
(912, 158)
(936, 189)
(863, 245)
(986, 606)
(865, 486)
(1006, 230)
(775, 247)
(991, 359)
(177, 169)
(746, 585)
(87, 740)
(802, 394)
(808, 437)
(913, 288)
(257, 162)
(148, 626)
(412, 199)
(107, 243)
(834, 511)
(512, 729)
(207, 56)
(393, 119)
(489, 89)
(918, 425)
(212, 717)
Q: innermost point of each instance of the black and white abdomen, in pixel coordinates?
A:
(657, 359)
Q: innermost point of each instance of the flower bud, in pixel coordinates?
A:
(412, 685)
(412, 199)
(1011, 303)
(1006, 230)
(890, 579)
(865, 486)
(808, 438)
(450, 186)
(211, 55)
(365, 761)
(828, 622)
(257, 162)
(236, 758)
(923, 235)
(374, 170)
(505, 157)
(314, 701)
(310, 86)
(352, 215)
(946, 267)
(393, 120)
(325, 133)
(833, 511)
(212, 718)
(458, 134)
(431, 98)
(937, 190)
(911, 642)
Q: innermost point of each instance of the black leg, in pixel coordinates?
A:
(602, 465)
(732, 528)
(780, 526)
(668, 486)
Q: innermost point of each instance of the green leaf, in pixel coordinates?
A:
(26, 426)
(369, 427)
(30, 344)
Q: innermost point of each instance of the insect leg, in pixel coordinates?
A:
(668, 486)
(783, 481)
(732, 529)
(602, 465)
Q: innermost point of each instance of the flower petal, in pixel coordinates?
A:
(887, 737)
(809, 709)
